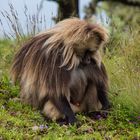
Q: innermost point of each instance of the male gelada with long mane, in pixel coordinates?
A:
(60, 71)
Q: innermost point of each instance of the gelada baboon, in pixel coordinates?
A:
(60, 70)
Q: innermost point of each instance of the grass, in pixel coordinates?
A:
(19, 121)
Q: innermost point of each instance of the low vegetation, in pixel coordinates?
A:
(19, 121)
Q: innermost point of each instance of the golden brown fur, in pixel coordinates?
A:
(43, 66)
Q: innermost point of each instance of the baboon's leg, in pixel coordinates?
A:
(64, 107)
(91, 101)
(102, 89)
(102, 95)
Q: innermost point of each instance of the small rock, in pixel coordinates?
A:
(35, 128)
(41, 127)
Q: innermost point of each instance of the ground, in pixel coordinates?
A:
(20, 121)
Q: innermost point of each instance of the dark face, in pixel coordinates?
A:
(87, 58)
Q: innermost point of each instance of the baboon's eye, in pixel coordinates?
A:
(88, 60)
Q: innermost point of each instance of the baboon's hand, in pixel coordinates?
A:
(72, 120)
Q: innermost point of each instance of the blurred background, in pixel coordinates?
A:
(29, 17)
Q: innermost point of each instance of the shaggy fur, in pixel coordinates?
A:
(45, 64)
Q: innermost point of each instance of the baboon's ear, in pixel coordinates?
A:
(99, 38)
(101, 35)
(98, 32)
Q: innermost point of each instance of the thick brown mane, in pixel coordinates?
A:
(39, 72)
(44, 64)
